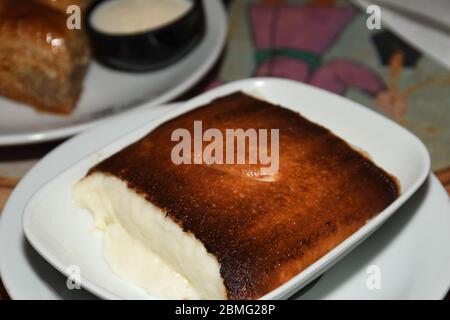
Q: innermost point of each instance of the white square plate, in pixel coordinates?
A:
(63, 234)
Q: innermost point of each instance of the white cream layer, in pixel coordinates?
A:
(144, 246)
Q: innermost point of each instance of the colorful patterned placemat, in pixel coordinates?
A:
(327, 44)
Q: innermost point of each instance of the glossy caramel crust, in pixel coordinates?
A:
(42, 62)
(262, 233)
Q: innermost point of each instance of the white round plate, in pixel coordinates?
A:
(410, 249)
(107, 92)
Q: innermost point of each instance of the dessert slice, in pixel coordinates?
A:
(225, 231)
(42, 62)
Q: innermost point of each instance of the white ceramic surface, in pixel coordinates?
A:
(108, 92)
(63, 235)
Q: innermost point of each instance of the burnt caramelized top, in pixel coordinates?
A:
(262, 232)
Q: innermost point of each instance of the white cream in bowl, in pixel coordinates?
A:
(135, 16)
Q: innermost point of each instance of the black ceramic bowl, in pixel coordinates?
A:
(148, 50)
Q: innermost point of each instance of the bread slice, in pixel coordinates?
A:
(42, 62)
(261, 232)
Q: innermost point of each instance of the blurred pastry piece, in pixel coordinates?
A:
(42, 62)
(62, 5)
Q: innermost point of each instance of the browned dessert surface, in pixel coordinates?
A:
(42, 62)
(262, 233)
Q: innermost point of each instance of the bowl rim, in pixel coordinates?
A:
(196, 6)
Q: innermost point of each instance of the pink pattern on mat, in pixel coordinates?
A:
(284, 67)
(338, 75)
(312, 29)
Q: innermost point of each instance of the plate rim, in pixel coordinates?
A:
(28, 179)
(40, 136)
(310, 272)
(32, 181)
